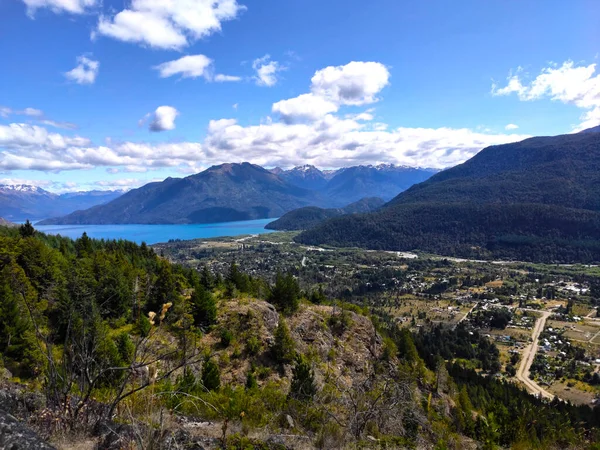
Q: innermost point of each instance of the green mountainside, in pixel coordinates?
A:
(537, 200)
(309, 216)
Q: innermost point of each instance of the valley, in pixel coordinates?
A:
(421, 290)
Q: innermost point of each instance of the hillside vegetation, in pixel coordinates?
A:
(309, 216)
(536, 200)
(136, 352)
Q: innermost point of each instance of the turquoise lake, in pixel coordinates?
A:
(153, 234)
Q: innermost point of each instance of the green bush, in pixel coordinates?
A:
(211, 375)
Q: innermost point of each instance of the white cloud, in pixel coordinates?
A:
(220, 78)
(355, 83)
(190, 66)
(85, 72)
(193, 66)
(266, 71)
(168, 24)
(569, 83)
(235, 106)
(59, 6)
(123, 183)
(32, 112)
(306, 107)
(163, 118)
(55, 124)
(511, 126)
(310, 132)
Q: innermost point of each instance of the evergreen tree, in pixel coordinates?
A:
(286, 293)
(204, 308)
(251, 380)
(206, 278)
(283, 347)
(406, 347)
(303, 386)
(211, 376)
(26, 230)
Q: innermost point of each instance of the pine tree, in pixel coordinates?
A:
(286, 293)
(283, 347)
(211, 376)
(204, 308)
(303, 386)
(26, 230)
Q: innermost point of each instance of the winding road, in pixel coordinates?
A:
(529, 356)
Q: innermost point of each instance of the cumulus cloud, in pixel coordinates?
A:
(85, 72)
(266, 71)
(306, 107)
(511, 126)
(171, 24)
(60, 6)
(569, 83)
(310, 132)
(163, 118)
(355, 83)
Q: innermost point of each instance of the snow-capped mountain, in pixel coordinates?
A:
(350, 184)
(23, 201)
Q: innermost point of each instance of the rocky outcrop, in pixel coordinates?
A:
(16, 436)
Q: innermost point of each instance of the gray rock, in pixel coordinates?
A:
(16, 436)
(290, 421)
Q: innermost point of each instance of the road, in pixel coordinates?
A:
(466, 315)
(529, 356)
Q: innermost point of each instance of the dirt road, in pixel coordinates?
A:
(528, 357)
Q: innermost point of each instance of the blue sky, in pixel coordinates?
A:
(96, 94)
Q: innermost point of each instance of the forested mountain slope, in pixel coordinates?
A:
(222, 193)
(114, 337)
(538, 199)
(310, 216)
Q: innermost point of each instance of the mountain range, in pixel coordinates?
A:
(21, 201)
(231, 192)
(538, 199)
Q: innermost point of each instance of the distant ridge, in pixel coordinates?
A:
(244, 191)
(21, 201)
(536, 200)
(7, 223)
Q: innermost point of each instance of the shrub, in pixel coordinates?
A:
(303, 386)
(211, 376)
(226, 337)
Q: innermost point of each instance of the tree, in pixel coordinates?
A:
(286, 293)
(251, 380)
(211, 376)
(206, 278)
(303, 386)
(26, 230)
(204, 308)
(283, 347)
(237, 279)
(406, 347)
